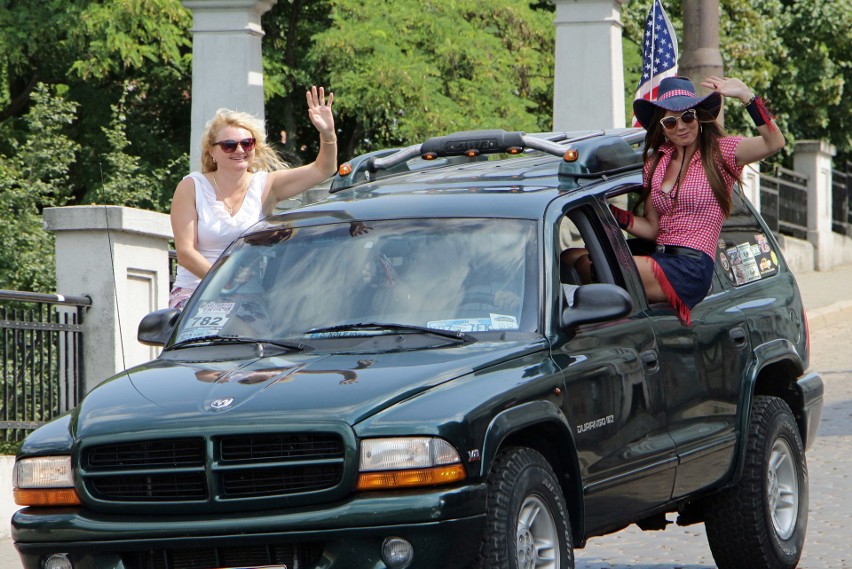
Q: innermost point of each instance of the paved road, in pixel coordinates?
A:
(830, 467)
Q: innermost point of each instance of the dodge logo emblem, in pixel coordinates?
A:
(221, 403)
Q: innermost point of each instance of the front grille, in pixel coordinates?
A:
(245, 466)
(290, 555)
(158, 487)
(271, 481)
(147, 454)
(280, 446)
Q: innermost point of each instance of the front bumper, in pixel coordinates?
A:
(443, 525)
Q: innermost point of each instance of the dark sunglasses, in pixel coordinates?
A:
(670, 123)
(229, 146)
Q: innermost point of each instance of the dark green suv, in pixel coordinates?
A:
(403, 376)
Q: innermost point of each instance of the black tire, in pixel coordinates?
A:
(760, 523)
(527, 523)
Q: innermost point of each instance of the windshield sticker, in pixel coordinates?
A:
(494, 322)
(209, 319)
(503, 322)
(345, 334)
(462, 324)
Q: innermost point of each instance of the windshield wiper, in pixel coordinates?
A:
(457, 336)
(217, 339)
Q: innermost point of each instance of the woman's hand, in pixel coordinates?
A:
(728, 87)
(319, 111)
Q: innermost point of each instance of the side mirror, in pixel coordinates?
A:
(593, 303)
(156, 327)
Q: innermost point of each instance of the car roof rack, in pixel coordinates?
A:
(591, 154)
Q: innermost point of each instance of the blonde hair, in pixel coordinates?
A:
(265, 157)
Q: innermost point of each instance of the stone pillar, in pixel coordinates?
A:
(751, 183)
(227, 64)
(119, 257)
(588, 87)
(812, 158)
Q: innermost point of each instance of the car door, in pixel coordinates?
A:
(700, 368)
(615, 398)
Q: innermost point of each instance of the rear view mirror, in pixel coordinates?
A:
(593, 303)
(156, 328)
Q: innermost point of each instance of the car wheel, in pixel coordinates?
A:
(527, 525)
(761, 522)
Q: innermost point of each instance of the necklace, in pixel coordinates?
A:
(222, 197)
(676, 187)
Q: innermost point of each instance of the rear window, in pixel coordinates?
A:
(745, 252)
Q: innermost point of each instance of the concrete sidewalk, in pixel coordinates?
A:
(827, 296)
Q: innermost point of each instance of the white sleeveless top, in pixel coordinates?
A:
(216, 228)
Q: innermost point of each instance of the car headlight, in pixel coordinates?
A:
(45, 481)
(406, 462)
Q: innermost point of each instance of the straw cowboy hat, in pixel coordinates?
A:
(676, 94)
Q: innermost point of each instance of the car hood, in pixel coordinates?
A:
(167, 395)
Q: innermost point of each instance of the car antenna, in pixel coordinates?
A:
(112, 265)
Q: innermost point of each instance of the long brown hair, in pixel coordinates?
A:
(709, 133)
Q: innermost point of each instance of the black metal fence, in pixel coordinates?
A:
(41, 346)
(841, 200)
(784, 202)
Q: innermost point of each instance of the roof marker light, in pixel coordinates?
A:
(345, 169)
(571, 155)
(429, 156)
(514, 150)
(471, 152)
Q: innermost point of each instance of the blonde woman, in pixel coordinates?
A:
(241, 180)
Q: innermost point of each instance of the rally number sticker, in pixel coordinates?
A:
(208, 320)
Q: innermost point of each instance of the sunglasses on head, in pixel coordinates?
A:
(670, 123)
(230, 145)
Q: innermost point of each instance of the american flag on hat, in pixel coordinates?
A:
(659, 55)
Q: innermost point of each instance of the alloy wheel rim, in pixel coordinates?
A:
(537, 536)
(782, 489)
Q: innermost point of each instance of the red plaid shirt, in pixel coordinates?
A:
(694, 219)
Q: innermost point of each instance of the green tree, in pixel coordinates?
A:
(124, 180)
(812, 83)
(405, 70)
(289, 29)
(96, 48)
(35, 177)
(117, 77)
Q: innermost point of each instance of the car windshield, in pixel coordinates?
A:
(461, 275)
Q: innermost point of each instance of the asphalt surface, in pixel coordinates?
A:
(827, 296)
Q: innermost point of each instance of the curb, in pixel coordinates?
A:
(830, 315)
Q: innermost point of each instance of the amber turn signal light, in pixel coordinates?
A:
(393, 479)
(46, 497)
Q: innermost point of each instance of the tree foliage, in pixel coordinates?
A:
(35, 177)
(94, 107)
(407, 70)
